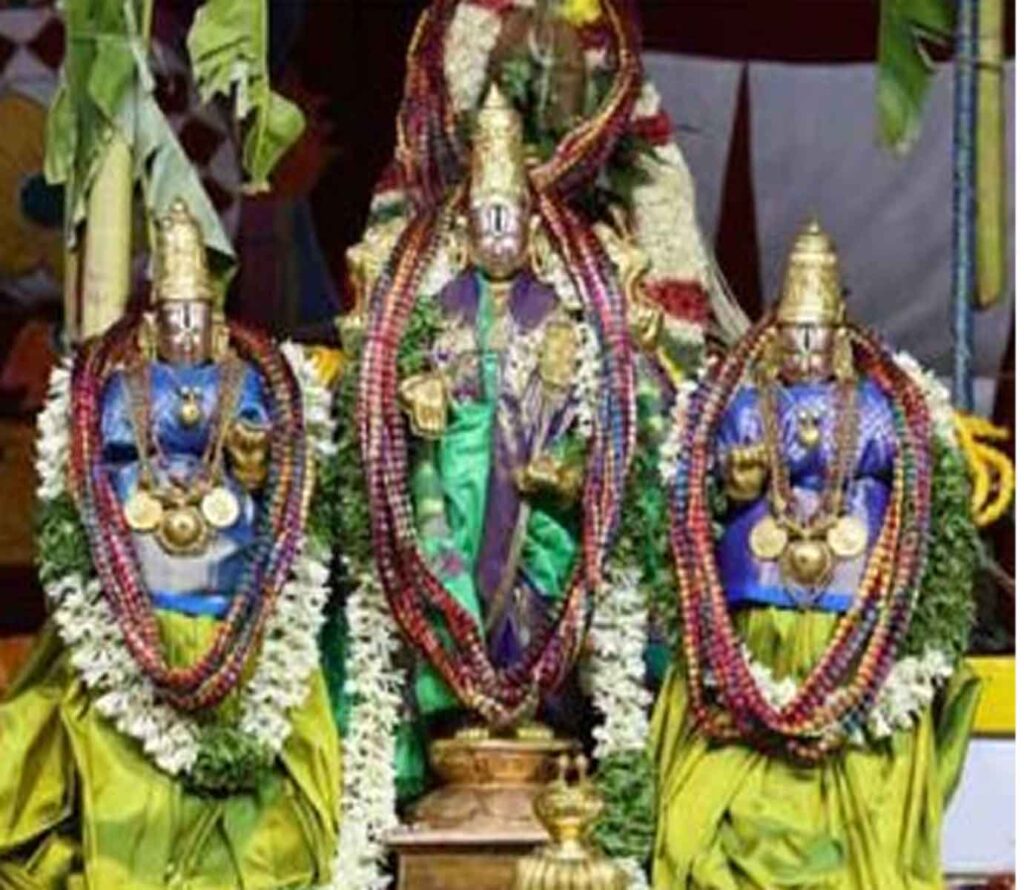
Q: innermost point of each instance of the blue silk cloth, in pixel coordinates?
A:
(750, 581)
(201, 584)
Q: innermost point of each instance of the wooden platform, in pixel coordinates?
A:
(431, 859)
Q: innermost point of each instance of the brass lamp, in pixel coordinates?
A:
(569, 813)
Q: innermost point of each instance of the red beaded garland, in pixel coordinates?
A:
(842, 686)
(209, 680)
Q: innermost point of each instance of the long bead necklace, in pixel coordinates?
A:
(212, 677)
(836, 698)
(415, 591)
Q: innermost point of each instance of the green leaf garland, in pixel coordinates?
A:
(944, 613)
(627, 824)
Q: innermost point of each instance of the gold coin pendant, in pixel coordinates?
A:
(142, 511)
(848, 538)
(768, 539)
(183, 532)
(220, 508)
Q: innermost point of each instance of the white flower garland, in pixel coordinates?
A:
(471, 37)
(368, 798)
(936, 396)
(672, 444)
(907, 692)
(618, 637)
(665, 210)
(87, 625)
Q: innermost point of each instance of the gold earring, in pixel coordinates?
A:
(770, 360)
(458, 243)
(221, 338)
(842, 357)
(539, 250)
(146, 339)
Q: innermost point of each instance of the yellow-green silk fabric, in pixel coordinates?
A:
(82, 808)
(733, 818)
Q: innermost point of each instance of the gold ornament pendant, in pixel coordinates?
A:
(807, 562)
(183, 531)
(220, 508)
(190, 412)
(142, 511)
(768, 539)
(848, 538)
(808, 429)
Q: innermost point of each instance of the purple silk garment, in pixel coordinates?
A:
(524, 611)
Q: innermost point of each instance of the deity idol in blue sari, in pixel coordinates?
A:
(816, 720)
(173, 728)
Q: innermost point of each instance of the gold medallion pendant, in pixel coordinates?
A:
(807, 562)
(848, 538)
(183, 531)
(808, 429)
(220, 507)
(768, 539)
(142, 511)
(190, 412)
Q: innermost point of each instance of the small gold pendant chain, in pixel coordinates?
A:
(182, 514)
(807, 548)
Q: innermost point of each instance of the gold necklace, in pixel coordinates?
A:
(806, 549)
(182, 515)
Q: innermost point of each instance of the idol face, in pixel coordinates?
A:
(806, 352)
(184, 332)
(498, 229)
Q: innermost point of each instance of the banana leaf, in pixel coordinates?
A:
(106, 87)
(99, 70)
(228, 46)
(908, 31)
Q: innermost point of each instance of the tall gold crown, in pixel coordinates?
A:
(499, 159)
(812, 291)
(181, 273)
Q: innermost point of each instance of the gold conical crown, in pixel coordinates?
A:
(812, 291)
(181, 272)
(498, 164)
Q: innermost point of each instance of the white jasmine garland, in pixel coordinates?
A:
(471, 37)
(375, 686)
(671, 446)
(52, 438)
(618, 637)
(936, 395)
(664, 208)
(906, 693)
(86, 623)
